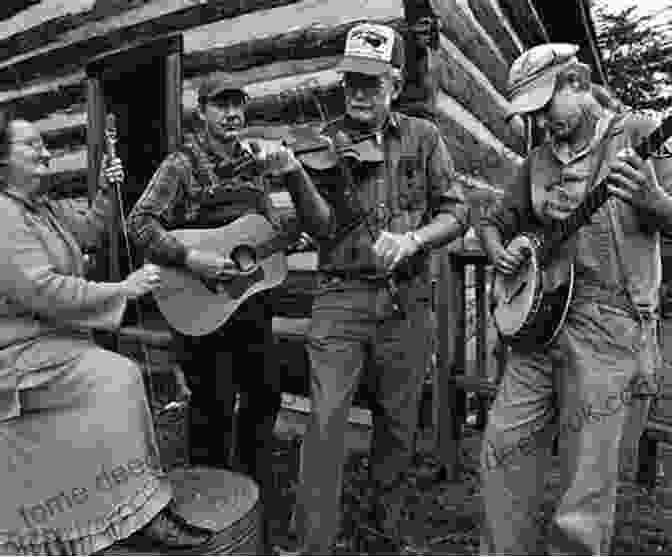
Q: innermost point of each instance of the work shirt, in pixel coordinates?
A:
(192, 189)
(414, 183)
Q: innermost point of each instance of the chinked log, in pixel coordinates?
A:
(10, 7)
(475, 150)
(526, 21)
(38, 24)
(490, 15)
(311, 95)
(460, 78)
(288, 99)
(459, 24)
(150, 20)
(311, 42)
(309, 29)
(41, 97)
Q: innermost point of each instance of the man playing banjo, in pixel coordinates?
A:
(571, 388)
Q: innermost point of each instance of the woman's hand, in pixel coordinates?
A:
(113, 170)
(141, 282)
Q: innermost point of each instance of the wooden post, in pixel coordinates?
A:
(96, 125)
(173, 101)
(482, 359)
(450, 351)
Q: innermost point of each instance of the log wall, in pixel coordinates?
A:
(284, 49)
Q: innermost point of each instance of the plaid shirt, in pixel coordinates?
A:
(177, 198)
(415, 183)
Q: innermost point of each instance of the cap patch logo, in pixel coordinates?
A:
(370, 42)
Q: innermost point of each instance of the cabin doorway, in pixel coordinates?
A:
(142, 87)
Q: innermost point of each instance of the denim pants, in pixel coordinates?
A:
(584, 390)
(354, 327)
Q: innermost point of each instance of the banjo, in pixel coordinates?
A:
(530, 306)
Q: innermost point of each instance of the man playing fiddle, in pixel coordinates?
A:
(371, 303)
(196, 188)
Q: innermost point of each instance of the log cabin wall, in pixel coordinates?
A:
(285, 50)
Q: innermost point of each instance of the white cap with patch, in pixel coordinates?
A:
(372, 49)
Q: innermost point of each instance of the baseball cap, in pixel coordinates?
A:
(372, 49)
(532, 75)
(221, 83)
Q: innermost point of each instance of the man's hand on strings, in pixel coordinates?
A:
(632, 180)
(274, 158)
(508, 261)
(393, 248)
(141, 282)
(211, 265)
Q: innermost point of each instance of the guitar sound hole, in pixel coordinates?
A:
(245, 258)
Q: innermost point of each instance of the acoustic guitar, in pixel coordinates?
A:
(530, 307)
(195, 306)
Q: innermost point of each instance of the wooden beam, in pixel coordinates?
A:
(312, 29)
(152, 19)
(10, 7)
(460, 78)
(461, 26)
(312, 42)
(37, 25)
(36, 99)
(39, 13)
(255, 78)
(475, 150)
(62, 129)
(489, 13)
(526, 21)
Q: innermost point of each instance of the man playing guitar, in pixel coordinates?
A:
(574, 388)
(197, 187)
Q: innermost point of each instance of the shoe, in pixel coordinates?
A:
(169, 531)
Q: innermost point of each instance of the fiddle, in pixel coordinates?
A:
(320, 152)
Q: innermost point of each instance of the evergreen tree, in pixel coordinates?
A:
(637, 56)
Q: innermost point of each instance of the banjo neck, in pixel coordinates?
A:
(560, 231)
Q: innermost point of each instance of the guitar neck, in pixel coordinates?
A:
(561, 231)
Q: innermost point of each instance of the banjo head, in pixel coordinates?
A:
(516, 296)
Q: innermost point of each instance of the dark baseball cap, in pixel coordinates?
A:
(221, 84)
(372, 49)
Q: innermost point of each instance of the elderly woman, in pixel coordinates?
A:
(79, 467)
